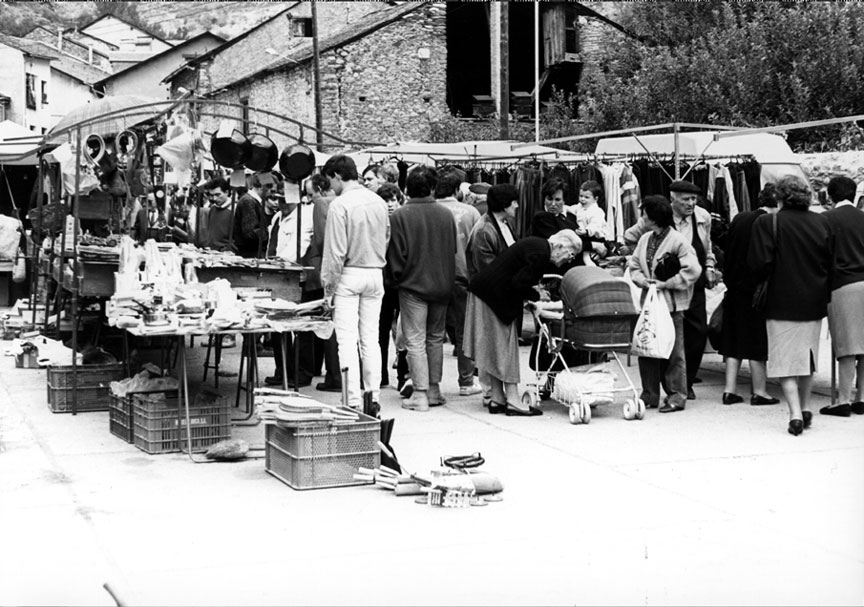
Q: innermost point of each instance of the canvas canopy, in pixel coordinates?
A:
(428, 153)
(14, 149)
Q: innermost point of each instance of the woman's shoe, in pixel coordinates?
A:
(755, 399)
(796, 427)
(841, 410)
(808, 418)
(495, 408)
(730, 398)
(512, 411)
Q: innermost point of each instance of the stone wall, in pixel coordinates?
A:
(820, 168)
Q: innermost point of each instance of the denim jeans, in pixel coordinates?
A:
(423, 326)
(356, 307)
(456, 317)
(671, 372)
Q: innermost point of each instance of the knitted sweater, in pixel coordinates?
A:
(679, 289)
(421, 256)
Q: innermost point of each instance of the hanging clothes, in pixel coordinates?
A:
(730, 193)
(612, 185)
(630, 197)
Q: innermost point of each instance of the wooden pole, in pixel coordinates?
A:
(504, 100)
(316, 66)
(536, 71)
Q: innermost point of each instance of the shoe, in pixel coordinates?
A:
(496, 408)
(305, 380)
(844, 410)
(275, 380)
(511, 411)
(796, 427)
(691, 395)
(755, 399)
(808, 418)
(697, 380)
(470, 390)
(417, 402)
(857, 408)
(730, 398)
(487, 402)
(325, 387)
(407, 389)
(671, 408)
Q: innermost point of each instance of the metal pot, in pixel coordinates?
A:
(264, 153)
(231, 152)
(297, 162)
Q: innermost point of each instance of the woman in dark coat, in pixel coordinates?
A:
(500, 289)
(796, 260)
(743, 333)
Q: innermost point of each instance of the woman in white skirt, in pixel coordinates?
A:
(795, 256)
(846, 310)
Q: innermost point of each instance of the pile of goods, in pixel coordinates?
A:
(274, 406)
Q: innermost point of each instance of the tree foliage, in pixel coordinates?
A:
(740, 64)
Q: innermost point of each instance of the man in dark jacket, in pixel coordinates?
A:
(421, 260)
(250, 221)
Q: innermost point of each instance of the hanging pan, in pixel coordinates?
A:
(230, 152)
(297, 162)
(264, 153)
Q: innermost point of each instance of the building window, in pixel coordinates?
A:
(44, 93)
(302, 28)
(31, 92)
(571, 31)
(245, 114)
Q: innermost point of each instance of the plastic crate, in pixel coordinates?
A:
(93, 391)
(121, 415)
(332, 453)
(159, 423)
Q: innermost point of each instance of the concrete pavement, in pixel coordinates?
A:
(713, 505)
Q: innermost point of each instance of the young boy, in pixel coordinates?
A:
(589, 215)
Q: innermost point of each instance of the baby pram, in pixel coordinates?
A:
(595, 317)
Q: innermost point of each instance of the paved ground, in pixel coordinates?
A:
(713, 505)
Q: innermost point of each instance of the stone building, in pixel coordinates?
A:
(387, 70)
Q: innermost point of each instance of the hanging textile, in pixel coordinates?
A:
(630, 197)
(730, 193)
(612, 185)
(527, 181)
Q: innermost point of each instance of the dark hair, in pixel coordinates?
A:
(217, 182)
(592, 186)
(372, 167)
(842, 188)
(768, 196)
(421, 182)
(341, 165)
(320, 182)
(794, 192)
(658, 209)
(448, 184)
(500, 196)
(390, 190)
(552, 186)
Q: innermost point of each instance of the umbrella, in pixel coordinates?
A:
(121, 111)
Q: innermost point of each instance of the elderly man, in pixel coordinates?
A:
(694, 223)
(355, 246)
(421, 261)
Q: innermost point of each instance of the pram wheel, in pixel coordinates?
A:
(640, 412)
(630, 409)
(586, 412)
(575, 414)
(529, 399)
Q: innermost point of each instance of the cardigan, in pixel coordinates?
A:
(678, 290)
(509, 280)
(797, 264)
(847, 223)
(484, 244)
(421, 257)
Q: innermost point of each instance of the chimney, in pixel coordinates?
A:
(59, 38)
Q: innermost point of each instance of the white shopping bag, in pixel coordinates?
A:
(654, 336)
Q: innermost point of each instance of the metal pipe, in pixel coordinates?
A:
(676, 130)
(536, 71)
(792, 127)
(639, 129)
(316, 68)
(75, 204)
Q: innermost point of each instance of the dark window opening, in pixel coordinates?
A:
(31, 92)
(468, 58)
(44, 93)
(302, 28)
(571, 31)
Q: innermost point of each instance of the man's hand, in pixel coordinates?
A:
(711, 275)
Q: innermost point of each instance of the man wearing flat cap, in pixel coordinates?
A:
(694, 223)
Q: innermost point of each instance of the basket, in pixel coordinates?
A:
(158, 424)
(322, 455)
(93, 390)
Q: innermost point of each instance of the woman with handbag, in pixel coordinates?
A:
(795, 259)
(663, 257)
(743, 334)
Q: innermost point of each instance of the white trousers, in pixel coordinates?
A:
(356, 309)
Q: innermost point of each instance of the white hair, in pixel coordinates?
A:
(567, 238)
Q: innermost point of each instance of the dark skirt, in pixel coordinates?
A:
(743, 335)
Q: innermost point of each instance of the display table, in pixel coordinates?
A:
(283, 283)
(323, 328)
